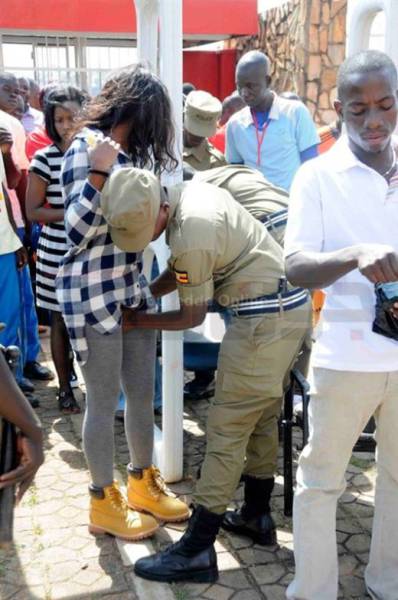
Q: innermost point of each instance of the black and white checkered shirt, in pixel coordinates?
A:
(95, 277)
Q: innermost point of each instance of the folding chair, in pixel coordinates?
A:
(299, 384)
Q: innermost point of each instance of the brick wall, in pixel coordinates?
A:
(305, 41)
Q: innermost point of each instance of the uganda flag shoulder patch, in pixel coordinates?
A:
(182, 276)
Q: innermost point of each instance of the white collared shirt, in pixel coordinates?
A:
(290, 131)
(336, 201)
(19, 157)
(31, 119)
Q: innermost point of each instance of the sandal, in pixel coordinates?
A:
(67, 403)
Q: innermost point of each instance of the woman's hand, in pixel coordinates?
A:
(5, 141)
(21, 256)
(104, 154)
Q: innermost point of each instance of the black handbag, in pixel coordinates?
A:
(385, 323)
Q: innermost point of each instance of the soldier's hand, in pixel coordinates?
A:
(5, 141)
(129, 318)
(30, 458)
(104, 154)
(378, 263)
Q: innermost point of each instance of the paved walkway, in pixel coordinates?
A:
(55, 558)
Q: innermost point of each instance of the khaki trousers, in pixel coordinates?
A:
(342, 402)
(255, 356)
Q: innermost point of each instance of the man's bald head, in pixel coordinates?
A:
(253, 80)
(254, 58)
(9, 91)
(363, 63)
(368, 101)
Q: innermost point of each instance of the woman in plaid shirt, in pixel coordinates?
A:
(128, 124)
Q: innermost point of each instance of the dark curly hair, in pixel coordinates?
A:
(136, 96)
(57, 95)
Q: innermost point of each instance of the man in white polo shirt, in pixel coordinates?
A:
(271, 134)
(342, 236)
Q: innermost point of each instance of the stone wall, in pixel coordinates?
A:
(305, 40)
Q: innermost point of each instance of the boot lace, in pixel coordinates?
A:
(157, 484)
(119, 504)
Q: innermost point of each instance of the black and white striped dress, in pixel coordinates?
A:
(52, 241)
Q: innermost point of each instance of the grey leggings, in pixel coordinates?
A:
(119, 359)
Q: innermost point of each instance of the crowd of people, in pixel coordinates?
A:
(260, 224)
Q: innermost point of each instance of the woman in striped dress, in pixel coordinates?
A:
(44, 203)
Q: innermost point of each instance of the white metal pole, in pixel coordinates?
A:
(1, 54)
(391, 42)
(172, 347)
(360, 18)
(147, 12)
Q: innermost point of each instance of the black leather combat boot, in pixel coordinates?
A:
(254, 519)
(193, 558)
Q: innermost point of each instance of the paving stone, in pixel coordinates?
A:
(363, 511)
(256, 555)
(348, 526)
(218, 592)
(341, 537)
(348, 497)
(247, 595)
(348, 564)
(56, 558)
(285, 555)
(191, 590)
(63, 572)
(270, 573)
(234, 579)
(357, 543)
(288, 578)
(274, 592)
(284, 537)
(353, 587)
(227, 562)
(362, 481)
(149, 590)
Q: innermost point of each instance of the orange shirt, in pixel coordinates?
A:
(328, 135)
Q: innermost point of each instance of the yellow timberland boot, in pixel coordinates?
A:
(147, 492)
(109, 513)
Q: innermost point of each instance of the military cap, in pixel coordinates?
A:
(201, 113)
(130, 203)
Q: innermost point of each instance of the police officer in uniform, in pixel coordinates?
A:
(267, 203)
(218, 252)
(201, 114)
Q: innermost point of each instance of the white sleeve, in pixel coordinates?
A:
(305, 230)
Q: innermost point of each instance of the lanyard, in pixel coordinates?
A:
(260, 137)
